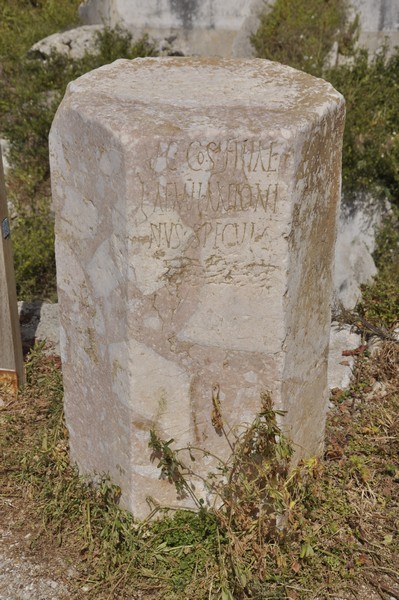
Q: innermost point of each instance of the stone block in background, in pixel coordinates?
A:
(204, 27)
(39, 323)
(74, 43)
(359, 222)
(340, 365)
(196, 203)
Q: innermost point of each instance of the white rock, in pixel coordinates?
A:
(223, 28)
(340, 367)
(74, 42)
(5, 151)
(377, 15)
(206, 27)
(40, 322)
(359, 222)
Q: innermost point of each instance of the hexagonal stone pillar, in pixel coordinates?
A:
(196, 204)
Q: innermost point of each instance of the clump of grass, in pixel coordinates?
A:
(33, 249)
(380, 301)
(24, 22)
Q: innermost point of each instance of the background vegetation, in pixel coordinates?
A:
(303, 34)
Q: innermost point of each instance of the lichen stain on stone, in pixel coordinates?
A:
(142, 425)
(185, 10)
(91, 348)
(116, 368)
(168, 129)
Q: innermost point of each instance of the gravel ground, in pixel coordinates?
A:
(23, 578)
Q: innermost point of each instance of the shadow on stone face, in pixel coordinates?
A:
(29, 317)
(185, 10)
(39, 322)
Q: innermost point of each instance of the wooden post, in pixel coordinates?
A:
(11, 357)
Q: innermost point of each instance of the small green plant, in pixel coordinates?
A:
(254, 501)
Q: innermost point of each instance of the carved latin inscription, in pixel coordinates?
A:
(218, 157)
(223, 189)
(219, 235)
(215, 197)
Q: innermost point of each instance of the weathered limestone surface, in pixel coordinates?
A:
(163, 14)
(379, 23)
(377, 15)
(196, 205)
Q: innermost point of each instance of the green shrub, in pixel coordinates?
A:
(301, 33)
(34, 259)
(371, 139)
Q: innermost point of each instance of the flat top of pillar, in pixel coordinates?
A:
(175, 87)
